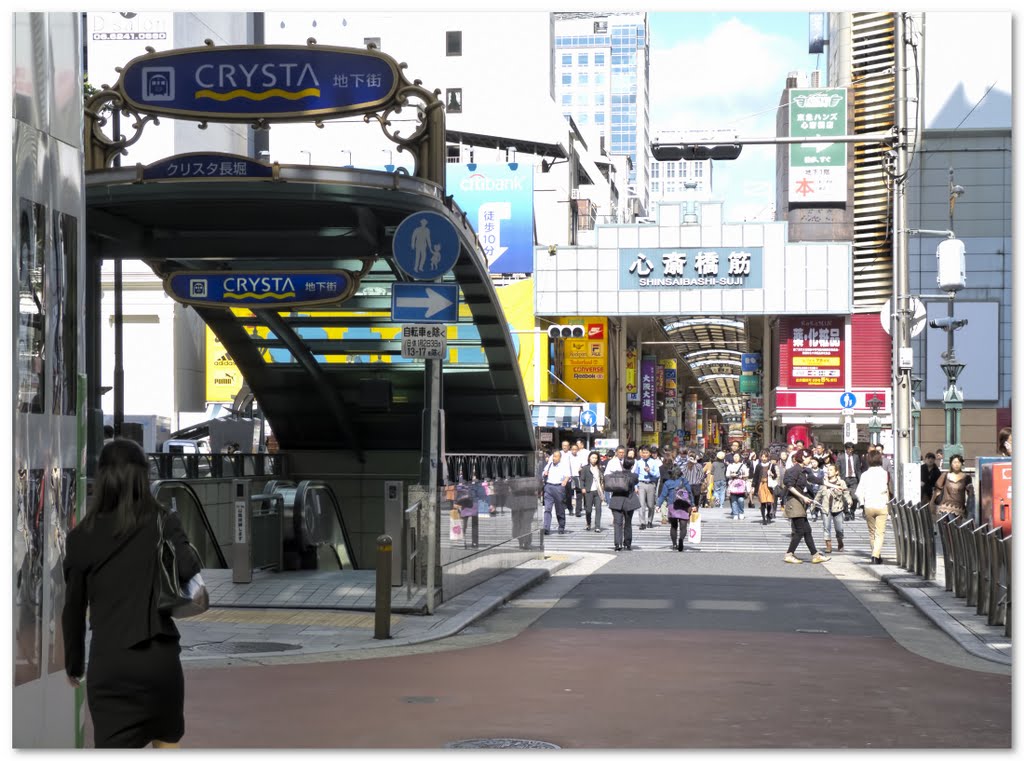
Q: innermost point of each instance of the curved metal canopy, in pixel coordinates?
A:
(714, 348)
(327, 377)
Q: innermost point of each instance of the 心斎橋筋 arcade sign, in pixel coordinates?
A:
(242, 83)
(255, 290)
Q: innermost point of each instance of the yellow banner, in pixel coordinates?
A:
(817, 361)
(223, 378)
(516, 302)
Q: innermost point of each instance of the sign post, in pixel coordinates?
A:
(426, 246)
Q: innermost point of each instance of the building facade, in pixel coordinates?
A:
(602, 78)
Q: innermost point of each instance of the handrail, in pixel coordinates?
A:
(412, 548)
(178, 483)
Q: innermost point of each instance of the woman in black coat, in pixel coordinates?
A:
(622, 504)
(134, 683)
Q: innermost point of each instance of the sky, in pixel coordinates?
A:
(727, 71)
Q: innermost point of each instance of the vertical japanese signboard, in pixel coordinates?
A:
(816, 351)
(498, 201)
(632, 385)
(817, 171)
(671, 371)
(647, 398)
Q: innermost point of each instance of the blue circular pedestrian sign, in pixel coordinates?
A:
(426, 245)
(848, 400)
(588, 418)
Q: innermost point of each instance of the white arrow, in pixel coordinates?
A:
(488, 227)
(819, 147)
(433, 301)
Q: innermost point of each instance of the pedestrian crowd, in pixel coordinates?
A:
(809, 484)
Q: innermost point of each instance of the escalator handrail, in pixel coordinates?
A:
(207, 526)
(300, 493)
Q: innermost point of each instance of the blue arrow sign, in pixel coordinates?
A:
(426, 245)
(424, 302)
(588, 418)
(848, 400)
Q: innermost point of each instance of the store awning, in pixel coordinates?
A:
(575, 417)
(556, 415)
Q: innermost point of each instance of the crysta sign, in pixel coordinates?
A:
(260, 289)
(241, 83)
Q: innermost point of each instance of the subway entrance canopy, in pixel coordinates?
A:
(327, 371)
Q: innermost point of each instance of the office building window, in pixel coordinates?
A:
(598, 59)
(599, 117)
(566, 59)
(453, 43)
(453, 100)
(656, 169)
(583, 59)
(566, 99)
(566, 78)
(583, 79)
(670, 169)
(698, 169)
(598, 79)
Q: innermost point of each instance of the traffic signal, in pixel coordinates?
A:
(565, 331)
(720, 152)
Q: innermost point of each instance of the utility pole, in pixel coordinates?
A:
(902, 359)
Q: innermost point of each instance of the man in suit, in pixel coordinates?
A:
(849, 470)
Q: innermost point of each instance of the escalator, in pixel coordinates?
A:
(314, 532)
(182, 499)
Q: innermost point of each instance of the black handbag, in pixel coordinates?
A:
(170, 598)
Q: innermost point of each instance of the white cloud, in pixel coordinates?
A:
(718, 81)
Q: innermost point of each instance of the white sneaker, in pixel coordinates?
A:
(791, 558)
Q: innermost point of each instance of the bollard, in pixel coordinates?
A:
(382, 607)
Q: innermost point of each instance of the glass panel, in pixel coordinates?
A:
(63, 497)
(28, 577)
(65, 311)
(31, 308)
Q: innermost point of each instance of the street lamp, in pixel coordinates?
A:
(875, 423)
(309, 157)
(349, 154)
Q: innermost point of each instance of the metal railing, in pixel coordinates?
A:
(205, 465)
(976, 559)
(467, 467)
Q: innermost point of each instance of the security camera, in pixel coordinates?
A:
(947, 323)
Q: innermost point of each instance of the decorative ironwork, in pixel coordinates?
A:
(425, 142)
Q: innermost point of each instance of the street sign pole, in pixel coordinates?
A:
(432, 427)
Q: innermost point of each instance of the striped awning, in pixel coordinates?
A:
(583, 416)
(556, 415)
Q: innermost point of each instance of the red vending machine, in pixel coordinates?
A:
(995, 492)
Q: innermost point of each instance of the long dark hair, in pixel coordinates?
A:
(122, 487)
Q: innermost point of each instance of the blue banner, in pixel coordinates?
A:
(269, 290)
(242, 82)
(498, 201)
(677, 268)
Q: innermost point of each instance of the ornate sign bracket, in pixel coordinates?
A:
(262, 85)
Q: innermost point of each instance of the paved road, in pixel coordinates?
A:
(639, 650)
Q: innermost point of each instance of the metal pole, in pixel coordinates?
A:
(118, 350)
(382, 606)
(536, 365)
(901, 272)
(429, 472)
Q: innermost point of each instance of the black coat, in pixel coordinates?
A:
(134, 683)
(587, 478)
(629, 501)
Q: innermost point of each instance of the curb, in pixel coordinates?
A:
(528, 577)
(901, 582)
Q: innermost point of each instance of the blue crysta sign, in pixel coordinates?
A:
(642, 269)
(246, 82)
(498, 201)
(268, 290)
(191, 166)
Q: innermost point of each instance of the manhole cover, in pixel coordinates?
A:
(503, 742)
(239, 648)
